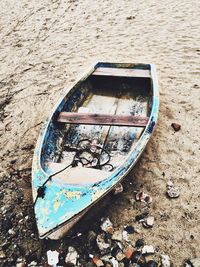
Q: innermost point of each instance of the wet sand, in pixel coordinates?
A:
(44, 47)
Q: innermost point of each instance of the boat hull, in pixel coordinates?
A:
(66, 201)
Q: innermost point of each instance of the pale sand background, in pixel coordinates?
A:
(45, 45)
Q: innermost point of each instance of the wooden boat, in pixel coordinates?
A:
(92, 139)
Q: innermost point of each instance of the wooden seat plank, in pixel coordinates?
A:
(121, 72)
(102, 119)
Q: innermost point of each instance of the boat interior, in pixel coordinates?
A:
(97, 125)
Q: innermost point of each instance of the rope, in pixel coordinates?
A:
(79, 159)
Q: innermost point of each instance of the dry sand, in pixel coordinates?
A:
(45, 45)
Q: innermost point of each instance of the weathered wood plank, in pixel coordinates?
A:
(102, 119)
(122, 72)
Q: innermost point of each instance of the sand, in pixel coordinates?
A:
(46, 45)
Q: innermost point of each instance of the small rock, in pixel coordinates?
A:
(102, 245)
(141, 216)
(176, 126)
(132, 201)
(114, 262)
(149, 222)
(170, 183)
(128, 252)
(71, 256)
(33, 263)
(165, 261)
(173, 192)
(13, 161)
(117, 235)
(2, 255)
(118, 189)
(130, 229)
(20, 263)
(120, 256)
(11, 232)
(97, 261)
(148, 249)
(139, 243)
(125, 236)
(115, 251)
(143, 197)
(107, 226)
(52, 257)
(138, 258)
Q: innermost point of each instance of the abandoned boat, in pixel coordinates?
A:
(93, 137)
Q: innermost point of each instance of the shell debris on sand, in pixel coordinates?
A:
(172, 191)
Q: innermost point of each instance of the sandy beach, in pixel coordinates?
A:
(44, 47)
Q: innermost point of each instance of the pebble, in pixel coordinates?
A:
(20, 262)
(139, 243)
(107, 226)
(11, 232)
(114, 262)
(117, 235)
(2, 255)
(176, 126)
(165, 261)
(120, 256)
(72, 255)
(143, 197)
(141, 216)
(125, 236)
(173, 192)
(102, 245)
(130, 229)
(170, 183)
(149, 222)
(97, 262)
(115, 251)
(138, 258)
(52, 257)
(148, 249)
(33, 263)
(118, 189)
(129, 252)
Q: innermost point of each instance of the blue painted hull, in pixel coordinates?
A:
(63, 203)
